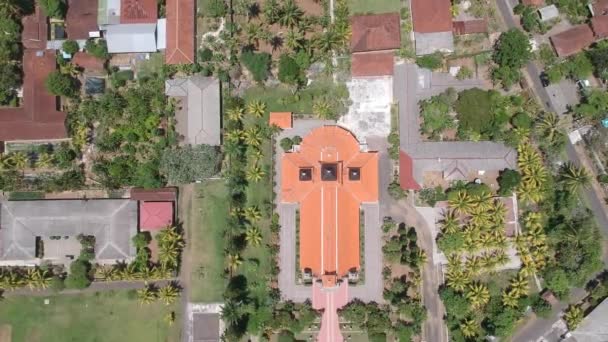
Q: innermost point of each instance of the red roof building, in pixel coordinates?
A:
(329, 177)
(406, 172)
(375, 32)
(155, 215)
(138, 11)
(430, 16)
(470, 26)
(600, 7)
(572, 40)
(372, 64)
(535, 3)
(180, 32)
(35, 30)
(599, 24)
(38, 118)
(89, 62)
(282, 120)
(81, 18)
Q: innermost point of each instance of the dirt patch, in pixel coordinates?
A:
(311, 7)
(6, 332)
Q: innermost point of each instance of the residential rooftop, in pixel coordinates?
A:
(81, 18)
(180, 32)
(375, 32)
(431, 16)
(372, 64)
(573, 40)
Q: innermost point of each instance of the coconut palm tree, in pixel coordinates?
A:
(69, 69)
(473, 265)
(469, 328)
(290, 14)
(478, 295)
(253, 32)
(235, 113)
(272, 11)
(253, 137)
(574, 178)
(146, 295)
(234, 261)
(483, 201)
(256, 108)
(450, 222)
(550, 126)
(252, 214)
(107, 273)
(168, 293)
(231, 312)
(18, 160)
(253, 236)
(574, 316)
(326, 42)
(457, 280)
(527, 157)
(519, 285)
(168, 256)
(170, 318)
(129, 272)
(342, 34)
(462, 203)
(322, 109)
(510, 298)
(294, 39)
(235, 136)
(36, 278)
(45, 160)
(255, 174)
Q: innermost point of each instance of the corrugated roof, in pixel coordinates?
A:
(375, 32)
(329, 209)
(282, 120)
(81, 18)
(155, 216)
(548, 12)
(372, 64)
(430, 16)
(138, 11)
(470, 26)
(180, 32)
(129, 38)
(572, 40)
(599, 24)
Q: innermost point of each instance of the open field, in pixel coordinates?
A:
(209, 214)
(108, 316)
(373, 6)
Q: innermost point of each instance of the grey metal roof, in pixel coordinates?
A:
(199, 119)
(412, 84)
(427, 43)
(113, 222)
(128, 38)
(594, 327)
(548, 12)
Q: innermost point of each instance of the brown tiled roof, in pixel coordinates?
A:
(599, 24)
(572, 40)
(154, 195)
(536, 3)
(88, 62)
(282, 120)
(35, 30)
(180, 32)
(600, 7)
(372, 64)
(431, 16)
(38, 118)
(470, 26)
(375, 32)
(81, 18)
(138, 11)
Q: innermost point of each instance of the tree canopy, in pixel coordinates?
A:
(512, 52)
(61, 84)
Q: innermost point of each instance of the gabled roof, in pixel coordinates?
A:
(282, 120)
(180, 32)
(599, 24)
(199, 119)
(81, 18)
(431, 16)
(138, 11)
(470, 26)
(112, 222)
(155, 215)
(375, 32)
(573, 40)
(130, 38)
(372, 64)
(35, 30)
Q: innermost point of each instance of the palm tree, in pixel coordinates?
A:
(573, 316)
(450, 222)
(11, 280)
(473, 265)
(234, 261)
(322, 109)
(168, 256)
(253, 32)
(291, 14)
(457, 279)
(106, 273)
(550, 126)
(510, 298)
(342, 34)
(469, 328)
(168, 294)
(146, 295)
(253, 236)
(129, 272)
(170, 318)
(235, 136)
(462, 203)
(45, 160)
(69, 69)
(256, 108)
(294, 39)
(231, 312)
(519, 285)
(255, 174)
(272, 12)
(478, 295)
(36, 278)
(19, 160)
(235, 114)
(326, 42)
(252, 214)
(574, 178)
(253, 137)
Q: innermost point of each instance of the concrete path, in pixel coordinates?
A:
(330, 301)
(373, 285)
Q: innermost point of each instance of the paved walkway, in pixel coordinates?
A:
(330, 301)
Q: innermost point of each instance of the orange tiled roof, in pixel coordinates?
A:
(329, 209)
(281, 119)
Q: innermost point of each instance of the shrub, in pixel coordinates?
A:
(433, 61)
(464, 73)
(508, 180)
(79, 277)
(395, 190)
(70, 47)
(603, 178)
(190, 163)
(521, 120)
(432, 195)
(59, 84)
(297, 140)
(57, 284)
(120, 78)
(214, 8)
(541, 307)
(205, 55)
(286, 144)
(257, 63)
(97, 48)
(476, 114)
(289, 70)
(53, 8)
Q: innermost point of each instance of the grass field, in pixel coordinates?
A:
(373, 6)
(210, 211)
(107, 316)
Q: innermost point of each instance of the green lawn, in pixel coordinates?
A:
(210, 211)
(373, 6)
(104, 316)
